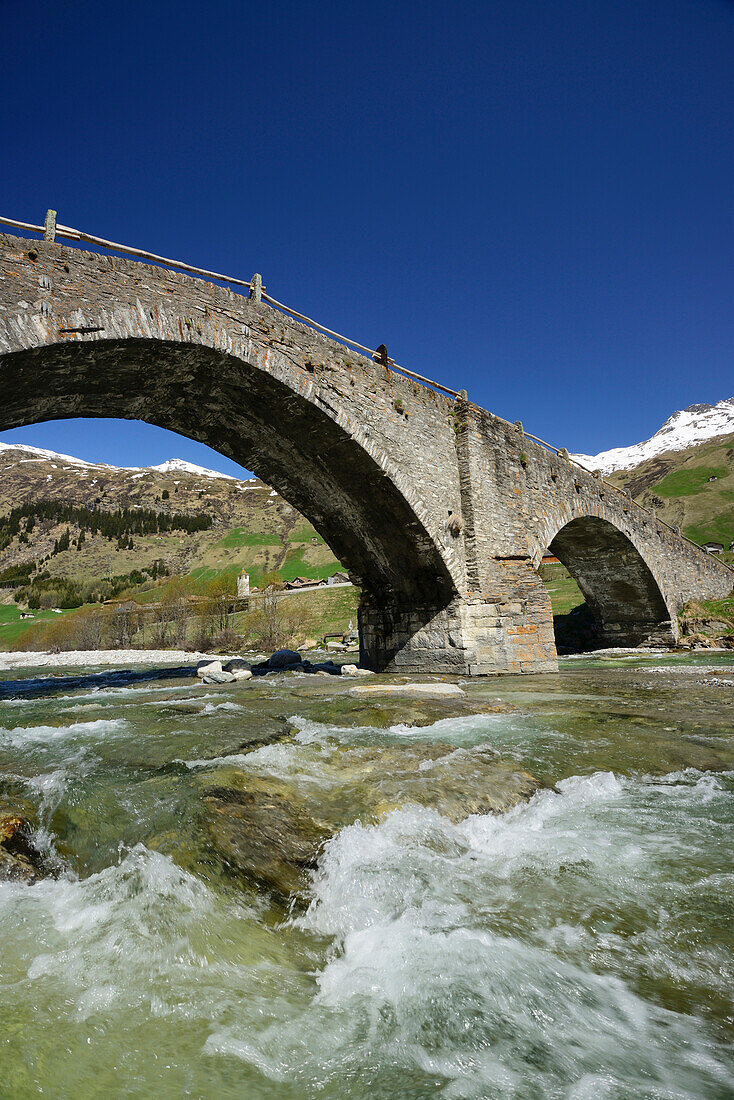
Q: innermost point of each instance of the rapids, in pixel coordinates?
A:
(577, 946)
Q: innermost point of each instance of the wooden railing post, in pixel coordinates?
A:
(256, 288)
(49, 228)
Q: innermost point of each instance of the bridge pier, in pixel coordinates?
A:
(472, 636)
(631, 634)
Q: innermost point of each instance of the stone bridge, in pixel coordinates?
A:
(440, 510)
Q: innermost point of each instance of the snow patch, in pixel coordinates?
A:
(181, 466)
(171, 465)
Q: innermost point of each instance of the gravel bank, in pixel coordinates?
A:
(108, 657)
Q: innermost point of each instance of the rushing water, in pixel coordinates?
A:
(578, 946)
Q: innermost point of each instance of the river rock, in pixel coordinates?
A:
(266, 831)
(386, 688)
(272, 831)
(220, 677)
(236, 664)
(284, 658)
(208, 668)
(287, 660)
(241, 674)
(20, 859)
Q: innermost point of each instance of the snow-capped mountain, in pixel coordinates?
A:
(181, 466)
(684, 429)
(171, 466)
(54, 456)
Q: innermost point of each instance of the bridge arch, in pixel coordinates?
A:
(300, 445)
(621, 591)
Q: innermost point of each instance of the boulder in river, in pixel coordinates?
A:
(20, 859)
(287, 660)
(281, 661)
(267, 831)
(236, 664)
(272, 828)
(207, 668)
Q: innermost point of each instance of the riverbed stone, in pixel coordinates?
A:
(219, 677)
(236, 664)
(20, 859)
(207, 668)
(272, 830)
(267, 831)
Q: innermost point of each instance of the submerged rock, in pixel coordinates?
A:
(266, 831)
(386, 688)
(20, 859)
(267, 827)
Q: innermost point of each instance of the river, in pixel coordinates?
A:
(578, 946)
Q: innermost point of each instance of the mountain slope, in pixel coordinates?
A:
(685, 429)
(692, 489)
(251, 528)
(170, 466)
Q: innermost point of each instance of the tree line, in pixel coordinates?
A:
(43, 590)
(119, 524)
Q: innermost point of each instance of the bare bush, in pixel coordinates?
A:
(274, 621)
(122, 624)
(82, 629)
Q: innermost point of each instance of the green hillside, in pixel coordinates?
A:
(75, 536)
(692, 489)
(83, 525)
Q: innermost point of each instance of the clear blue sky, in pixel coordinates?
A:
(529, 199)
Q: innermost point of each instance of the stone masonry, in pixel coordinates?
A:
(440, 510)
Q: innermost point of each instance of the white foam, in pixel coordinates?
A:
(403, 898)
(31, 735)
(216, 761)
(217, 708)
